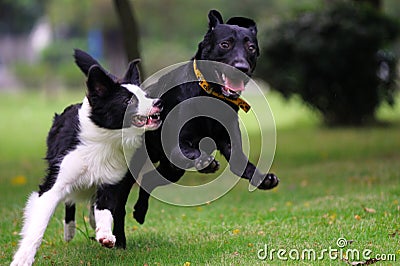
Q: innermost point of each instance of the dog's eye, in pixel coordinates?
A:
(252, 48)
(225, 45)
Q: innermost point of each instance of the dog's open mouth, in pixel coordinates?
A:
(232, 87)
(153, 120)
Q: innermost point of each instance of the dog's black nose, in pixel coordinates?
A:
(158, 103)
(242, 66)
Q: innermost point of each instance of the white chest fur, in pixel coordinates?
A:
(102, 155)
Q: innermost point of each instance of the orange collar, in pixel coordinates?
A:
(207, 88)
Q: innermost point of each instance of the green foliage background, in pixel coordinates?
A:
(331, 59)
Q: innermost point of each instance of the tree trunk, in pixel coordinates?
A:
(129, 29)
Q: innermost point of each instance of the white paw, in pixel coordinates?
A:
(104, 234)
(106, 239)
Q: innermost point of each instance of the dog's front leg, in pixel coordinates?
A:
(240, 164)
(104, 206)
(113, 198)
(187, 155)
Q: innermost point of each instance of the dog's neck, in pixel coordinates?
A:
(207, 88)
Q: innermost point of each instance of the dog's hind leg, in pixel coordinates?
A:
(164, 174)
(69, 222)
(38, 212)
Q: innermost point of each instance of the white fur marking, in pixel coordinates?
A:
(103, 227)
(145, 104)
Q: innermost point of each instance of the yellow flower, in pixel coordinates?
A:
(18, 180)
(235, 231)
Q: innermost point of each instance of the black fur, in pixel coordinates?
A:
(62, 138)
(240, 50)
(108, 101)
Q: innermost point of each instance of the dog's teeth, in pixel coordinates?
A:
(154, 116)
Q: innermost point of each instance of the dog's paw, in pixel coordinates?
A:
(206, 164)
(139, 216)
(140, 212)
(106, 239)
(69, 230)
(269, 181)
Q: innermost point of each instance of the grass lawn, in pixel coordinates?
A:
(335, 183)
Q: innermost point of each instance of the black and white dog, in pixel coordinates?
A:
(233, 43)
(86, 152)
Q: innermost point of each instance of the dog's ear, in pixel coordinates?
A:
(84, 61)
(132, 75)
(244, 23)
(99, 83)
(214, 18)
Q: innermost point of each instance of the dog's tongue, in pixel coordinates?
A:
(234, 85)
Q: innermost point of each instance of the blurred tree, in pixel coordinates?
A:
(129, 28)
(333, 59)
(169, 30)
(95, 23)
(12, 12)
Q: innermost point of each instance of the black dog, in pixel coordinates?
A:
(233, 43)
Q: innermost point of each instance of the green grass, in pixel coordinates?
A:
(328, 178)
